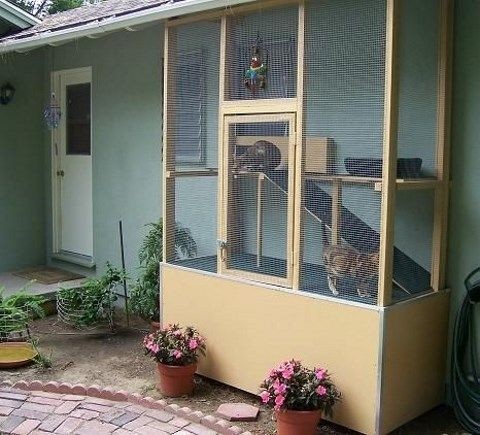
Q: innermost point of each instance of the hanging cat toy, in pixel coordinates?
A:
(256, 75)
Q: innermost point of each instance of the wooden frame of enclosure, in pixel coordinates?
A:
(382, 398)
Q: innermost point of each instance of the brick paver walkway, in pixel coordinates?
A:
(38, 412)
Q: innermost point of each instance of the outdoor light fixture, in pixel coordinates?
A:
(7, 91)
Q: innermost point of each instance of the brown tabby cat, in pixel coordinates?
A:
(347, 262)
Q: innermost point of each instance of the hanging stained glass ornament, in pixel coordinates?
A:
(52, 113)
(256, 75)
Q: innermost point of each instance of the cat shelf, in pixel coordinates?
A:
(319, 151)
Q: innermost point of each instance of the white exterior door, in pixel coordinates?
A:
(72, 165)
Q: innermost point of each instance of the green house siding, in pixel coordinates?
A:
(464, 225)
(22, 172)
(127, 131)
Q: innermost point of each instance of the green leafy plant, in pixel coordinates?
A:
(12, 320)
(17, 310)
(144, 296)
(93, 302)
(41, 361)
(32, 305)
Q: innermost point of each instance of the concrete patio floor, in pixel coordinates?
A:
(13, 284)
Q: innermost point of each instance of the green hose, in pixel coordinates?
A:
(464, 380)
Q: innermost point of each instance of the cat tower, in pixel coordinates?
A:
(361, 122)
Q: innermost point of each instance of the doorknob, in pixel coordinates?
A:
(61, 173)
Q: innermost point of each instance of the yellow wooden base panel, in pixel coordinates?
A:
(415, 352)
(250, 328)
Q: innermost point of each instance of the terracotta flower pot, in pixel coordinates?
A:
(176, 381)
(297, 422)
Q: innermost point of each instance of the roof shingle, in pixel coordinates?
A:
(86, 14)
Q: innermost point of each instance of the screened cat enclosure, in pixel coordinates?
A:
(305, 148)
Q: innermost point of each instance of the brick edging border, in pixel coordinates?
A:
(219, 425)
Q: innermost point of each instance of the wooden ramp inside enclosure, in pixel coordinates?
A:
(407, 273)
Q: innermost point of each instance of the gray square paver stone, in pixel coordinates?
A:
(10, 423)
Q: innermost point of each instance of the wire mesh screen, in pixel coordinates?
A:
(193, 93)
(413, 243)
(196, 222)
(418, 49)
(192, 143)
(343, 145)
(262, 54)
(257, 203)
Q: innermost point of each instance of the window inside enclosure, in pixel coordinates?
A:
(343, 146)
(418, 49)
(262, 54)
(191, 125)
(193, 93)
(259, 199)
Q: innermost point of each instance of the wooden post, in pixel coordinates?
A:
(298, 190)
(439, 239)
(260, 180)
(222, 198)
(336, 211)
(168, 152)
(385, 274)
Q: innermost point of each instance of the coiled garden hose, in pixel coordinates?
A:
(465, 380)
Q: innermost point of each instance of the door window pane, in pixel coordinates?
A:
(78, 119)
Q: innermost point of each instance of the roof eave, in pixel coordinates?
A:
(17, 16)
(111, 24)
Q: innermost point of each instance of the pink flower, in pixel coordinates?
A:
(192, 344)
(320, 374)
(279, 388)
(177, 332)
(287, 372)
(279, 401)
(321, 390)
(177, 354)
(265, 396)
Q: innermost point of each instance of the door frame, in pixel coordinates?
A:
(56, 82)
(290, 118)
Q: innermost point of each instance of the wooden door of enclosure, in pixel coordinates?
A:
(258, 197)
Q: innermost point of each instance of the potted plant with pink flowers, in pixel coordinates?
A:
(299, 395)
(176, 350)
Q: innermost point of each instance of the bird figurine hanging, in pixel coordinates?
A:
(256, 75)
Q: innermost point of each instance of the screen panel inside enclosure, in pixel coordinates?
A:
(412, 258)
(345, 43)
(261, 59)
(258, 197)
(196, 222)
(418, 84)
(193, 94)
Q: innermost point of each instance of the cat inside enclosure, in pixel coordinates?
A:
(342, 261)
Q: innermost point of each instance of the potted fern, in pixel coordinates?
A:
(144, 296)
